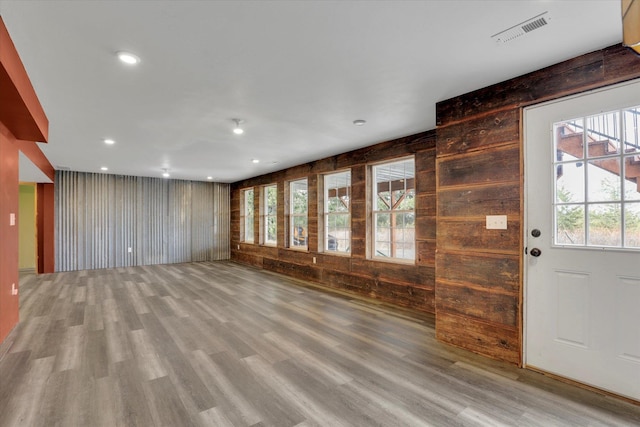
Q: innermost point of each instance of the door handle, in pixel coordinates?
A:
(535, 252)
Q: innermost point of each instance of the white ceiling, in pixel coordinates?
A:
(297, 72)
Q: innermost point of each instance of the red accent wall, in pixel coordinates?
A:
(8, 233)
(22, 122)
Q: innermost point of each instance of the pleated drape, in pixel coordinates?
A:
(105, 221)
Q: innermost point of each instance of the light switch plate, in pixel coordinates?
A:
(12, 219)
(496, 222)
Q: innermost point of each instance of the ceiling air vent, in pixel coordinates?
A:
(522, 28)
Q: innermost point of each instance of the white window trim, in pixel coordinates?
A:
(264, 216)
(326, 215)
(292, 216)
(373, 212)
(245, 238)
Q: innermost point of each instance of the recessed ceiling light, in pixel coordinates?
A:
(104, 168)
(109, 141)
(359, 122)
(255, 161)
(165, 173)
(209, 178)
(238, 130)
(128, 58)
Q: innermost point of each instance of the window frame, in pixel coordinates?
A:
(265, 215)
(326, 215)
(247, 217)
(295, 219)
(588, 204)
(373, 213)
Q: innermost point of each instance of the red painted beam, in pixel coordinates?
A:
(37, 157)
(20, 109)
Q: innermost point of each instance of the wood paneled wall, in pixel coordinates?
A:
(480, 172)
(473, 280)
(402, 284)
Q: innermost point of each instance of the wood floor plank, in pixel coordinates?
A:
(219, 344)
(232, 402)
(273, 409)
(131, 407)
(166, 407)
(176, 362)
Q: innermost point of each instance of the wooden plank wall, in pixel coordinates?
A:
(401, 284)
(479, 163)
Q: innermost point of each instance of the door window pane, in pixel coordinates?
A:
(598, 157)
(570, 224)
(603, 134)
(605, 224)
(632, 225)
(604, 180)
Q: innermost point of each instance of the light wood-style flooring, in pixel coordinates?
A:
(219, 344)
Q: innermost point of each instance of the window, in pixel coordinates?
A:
(246, 216)
(597, 180)
(298, 218)
(269, 217)
(337, 212)
(393, 208)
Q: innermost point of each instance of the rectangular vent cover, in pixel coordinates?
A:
(522, 28)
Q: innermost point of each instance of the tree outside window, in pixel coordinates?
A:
(298, 214)
(246, 214)
(337, 212)
(270, 215)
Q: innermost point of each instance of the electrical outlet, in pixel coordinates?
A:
(14, 290)
(129, 250)
(12, 219)
(496, 222)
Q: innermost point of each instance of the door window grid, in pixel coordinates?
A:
(597, 172)
(337, 212)
(298, 214)
(247, 215)
(269, 229)
(393, 210)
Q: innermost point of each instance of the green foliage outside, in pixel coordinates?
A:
(605, 220)
(407, 204)
(271, 211)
